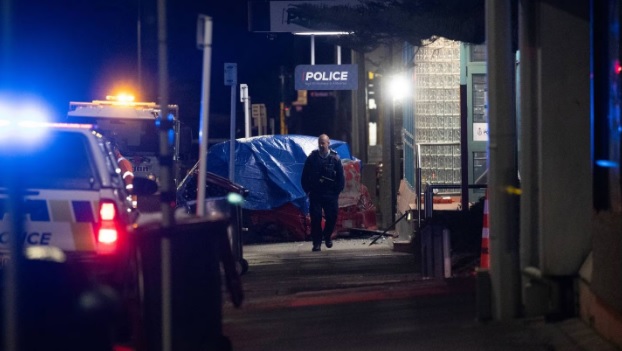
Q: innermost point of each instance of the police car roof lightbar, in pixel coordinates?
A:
(36, 124)
(115, 109)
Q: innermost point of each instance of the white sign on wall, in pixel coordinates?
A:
(281, 19)
(480, 131)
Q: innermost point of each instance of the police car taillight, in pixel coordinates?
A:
(108, 232)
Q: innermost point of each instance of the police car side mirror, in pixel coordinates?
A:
(144, 186)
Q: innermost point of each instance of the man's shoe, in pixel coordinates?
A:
(317, 247)
(329, 243)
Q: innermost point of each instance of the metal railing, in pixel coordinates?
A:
(418, 177)
(428, 192)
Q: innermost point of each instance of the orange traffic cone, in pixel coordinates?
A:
(485, 255)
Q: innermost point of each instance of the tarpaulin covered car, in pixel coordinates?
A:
(270, 167)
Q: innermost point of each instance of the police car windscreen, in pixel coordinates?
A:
(132, 136)
(62, 162)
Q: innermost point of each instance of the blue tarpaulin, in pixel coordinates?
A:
(270, 167)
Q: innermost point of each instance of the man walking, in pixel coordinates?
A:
(323, 180)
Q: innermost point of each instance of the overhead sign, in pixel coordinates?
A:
(275, 16)
(326, 77)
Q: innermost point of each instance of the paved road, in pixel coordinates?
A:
(360, 297)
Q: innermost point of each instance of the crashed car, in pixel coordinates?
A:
(277, 208)
(224, 194)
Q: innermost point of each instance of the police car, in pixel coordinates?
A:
(74, 199)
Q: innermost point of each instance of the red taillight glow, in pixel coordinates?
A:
(107, 211)
(108, 233)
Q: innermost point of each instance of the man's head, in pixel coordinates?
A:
(323, 142)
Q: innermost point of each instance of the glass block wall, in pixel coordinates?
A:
(437, 111)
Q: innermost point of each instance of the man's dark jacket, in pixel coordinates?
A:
(323, 176)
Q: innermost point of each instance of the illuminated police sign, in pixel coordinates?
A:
(31, 238)
(60, 235)
(326, 77)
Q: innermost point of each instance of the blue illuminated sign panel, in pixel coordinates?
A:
(326, 77)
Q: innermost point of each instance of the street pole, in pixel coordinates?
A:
(247, 118)
(232, 80)
(282, 105)
(6, 36)
(13, 276)
(139, 51)
(393, 163)
(504, 248)
(313, 49)
(385, 118)
(204, 42)
(167, 189)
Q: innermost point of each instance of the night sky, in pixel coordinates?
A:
(75, 50)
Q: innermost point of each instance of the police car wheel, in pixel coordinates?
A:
(242, 266)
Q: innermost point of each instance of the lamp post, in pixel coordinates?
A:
(139, 47)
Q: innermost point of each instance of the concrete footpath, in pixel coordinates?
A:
(361, 297)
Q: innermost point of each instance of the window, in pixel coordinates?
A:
(64, 162)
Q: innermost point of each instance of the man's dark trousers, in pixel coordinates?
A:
(330, 205)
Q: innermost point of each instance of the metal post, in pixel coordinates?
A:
(205, 42)
(167, 190)
(6, 39)
(262, 117)
(12, 279)
(504, 267)
(338, 54)
(232, 135)
(166, 180)
(139, 51)
(312, 49)
(529, 152)
(384, 116)
(392, 148)
(282, 105)
(446, 253)
(418, 188)
(247, 118)
(464, 151)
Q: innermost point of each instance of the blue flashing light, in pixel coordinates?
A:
(607, 164)
(171, 136)
(22, 123)
(157, 122)
(170, 117)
